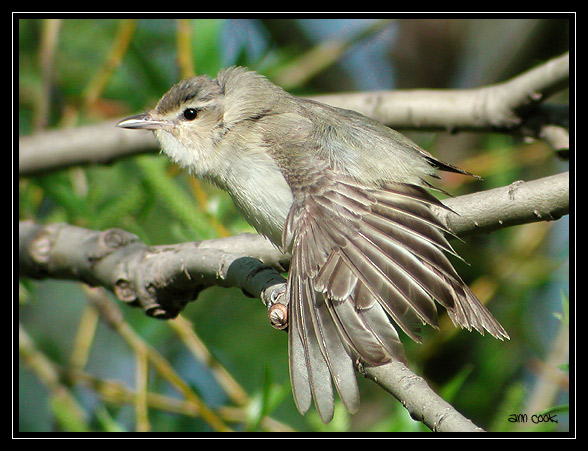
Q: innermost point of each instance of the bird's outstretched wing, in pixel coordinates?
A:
(360, 256)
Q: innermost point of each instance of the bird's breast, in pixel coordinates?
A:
(261, 194)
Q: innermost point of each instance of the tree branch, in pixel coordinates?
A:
(514, 104)
(99, 143)
(419, 398)
(162, 279)
(545, 199)
(159, 279)
(499, 107)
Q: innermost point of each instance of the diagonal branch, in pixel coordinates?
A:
(513, 104)
(419, 398)
(162, 279)
(501, 106)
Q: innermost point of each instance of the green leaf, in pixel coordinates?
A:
(451, 388)
(266, 401)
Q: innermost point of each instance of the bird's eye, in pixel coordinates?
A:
(190, 114)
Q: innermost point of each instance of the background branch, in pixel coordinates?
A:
(503, 106)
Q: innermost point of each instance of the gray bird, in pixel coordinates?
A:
(348, 198)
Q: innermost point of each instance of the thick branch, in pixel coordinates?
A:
(162, 279)
(504, 106)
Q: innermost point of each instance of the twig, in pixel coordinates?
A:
(113, 317)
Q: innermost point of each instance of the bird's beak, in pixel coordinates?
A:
(142, 121)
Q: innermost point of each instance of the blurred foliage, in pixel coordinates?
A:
(77, 374)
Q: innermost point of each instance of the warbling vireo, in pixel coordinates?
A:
(347, 196)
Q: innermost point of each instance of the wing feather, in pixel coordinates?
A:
(361, 257)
